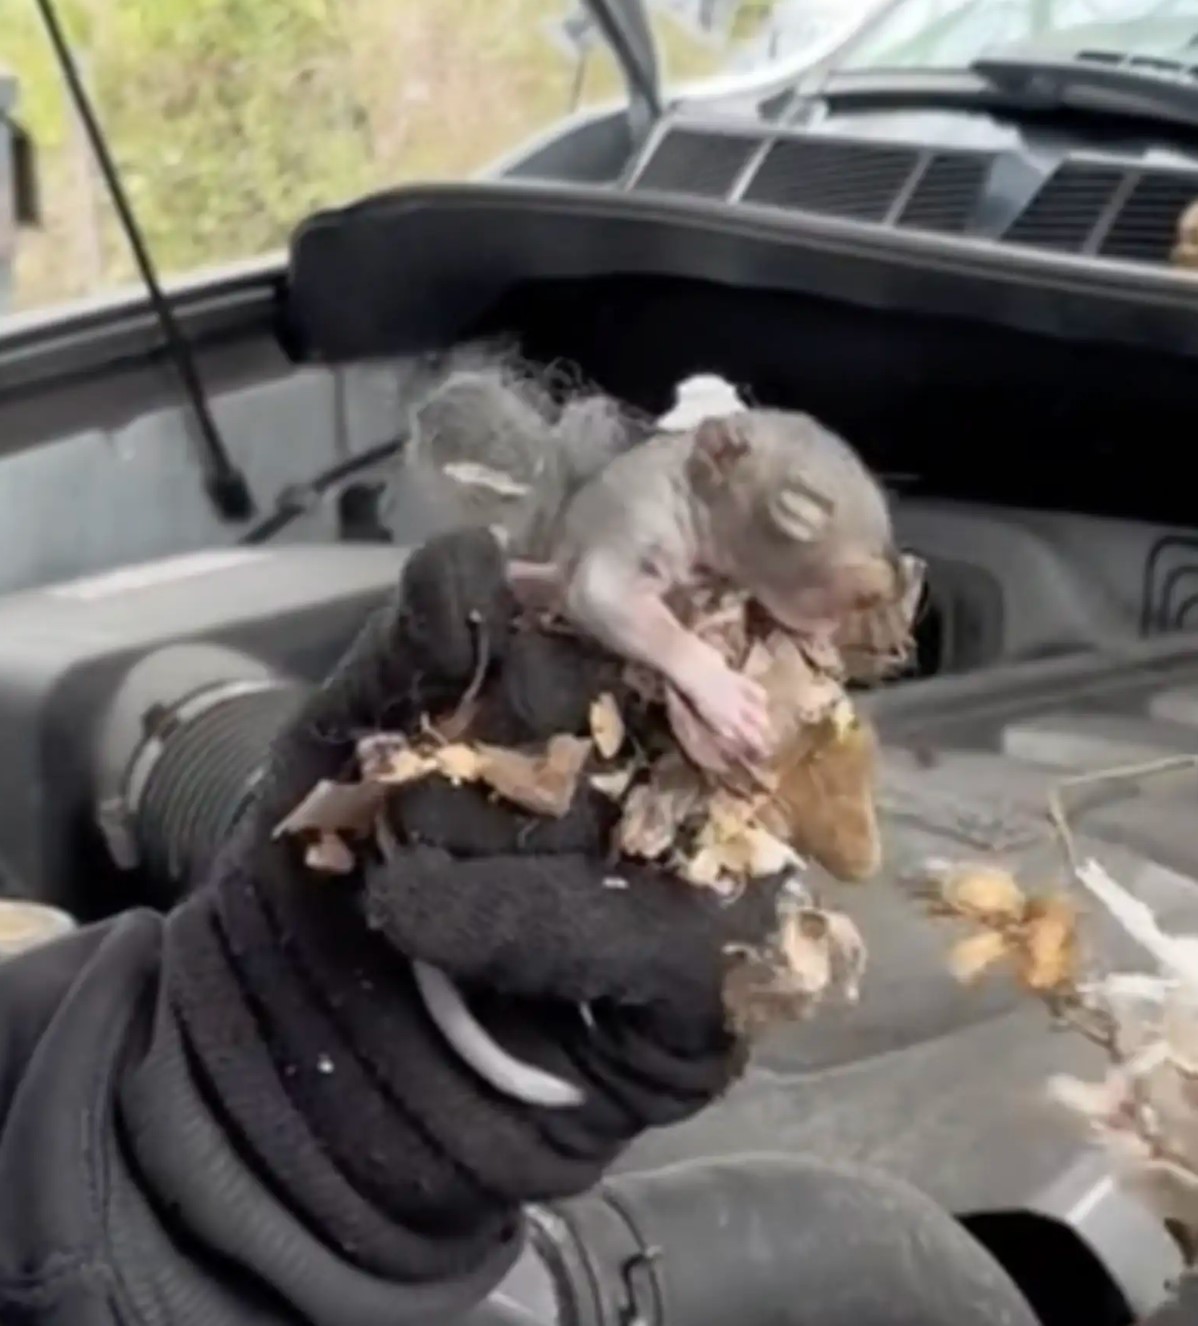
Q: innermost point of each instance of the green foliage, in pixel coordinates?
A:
(231, 120)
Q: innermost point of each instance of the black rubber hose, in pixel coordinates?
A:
(769, 1241)
(201, 781)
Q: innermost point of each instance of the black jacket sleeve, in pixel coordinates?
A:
(242, 1111)
(125, 1195)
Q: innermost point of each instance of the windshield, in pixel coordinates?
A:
(938, 34)
(951, 34)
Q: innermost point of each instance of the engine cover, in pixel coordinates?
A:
(64, 651)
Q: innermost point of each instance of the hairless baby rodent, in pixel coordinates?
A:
(768, 500)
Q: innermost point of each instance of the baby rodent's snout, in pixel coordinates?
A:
(829, 588)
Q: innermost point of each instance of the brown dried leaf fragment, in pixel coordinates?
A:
(607, 726)
(824, 804)
(335, 808)
(380, 752)
(733, 847)
(980, 892)
(876, 641)
(545, 783)
(404, 766)
(805, 943)
(813, 954)
(656, 810)
(459, 763)
(849, 954)
(799, 694)
(329, 854)
(1049, 948)
(974, 955)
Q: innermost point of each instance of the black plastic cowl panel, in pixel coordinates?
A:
(1108, 208)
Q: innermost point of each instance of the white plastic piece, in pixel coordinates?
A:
(507, 1074)
(1176, 954)
(703, 396)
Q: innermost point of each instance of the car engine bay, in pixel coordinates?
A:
(137, 705)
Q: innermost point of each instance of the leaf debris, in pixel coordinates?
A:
(607, 726)
(681, 803)
(1035, 937)
(1144, 1109)
(813, 955)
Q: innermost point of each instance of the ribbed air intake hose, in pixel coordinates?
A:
(768, 1240)
(182, 743)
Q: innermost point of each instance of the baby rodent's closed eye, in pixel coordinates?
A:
(799, 512)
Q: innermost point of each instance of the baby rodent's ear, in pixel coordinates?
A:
(798, 511)
(718, 447)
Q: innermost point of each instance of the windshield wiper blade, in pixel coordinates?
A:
(1102, 81)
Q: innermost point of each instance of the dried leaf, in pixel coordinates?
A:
(732, 846)
(544, 784)
(377, 752)
(824, 804)
(1049, 944)
(330, 855)
(656, 810)
(1099, 1102)
(403, 766)
(704, 868)
(876, 641)
(849, 954)
(799, 694)
(607, 726)
(806, 945)
(615, 783)
(982, 893)
(969, 958)
(335, 808)
(459, 763)
(812, 954)
(1179, 1029)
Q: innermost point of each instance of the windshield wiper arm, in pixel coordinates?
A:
(225, 483)
(1111, 82)
(625, 27)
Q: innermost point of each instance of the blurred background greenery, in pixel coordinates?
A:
(233, 119)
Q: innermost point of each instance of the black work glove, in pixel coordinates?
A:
(606, 974)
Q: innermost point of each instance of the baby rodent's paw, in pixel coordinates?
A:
(735, 707)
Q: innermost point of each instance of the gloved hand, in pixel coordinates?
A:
(298, 994)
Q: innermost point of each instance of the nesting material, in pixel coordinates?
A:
(1033, 937)
(813, 954)
(681, 805)
(1144, 1110)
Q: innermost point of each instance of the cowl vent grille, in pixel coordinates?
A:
(1063, 214)
(1098, 208)
(837, 179)
(947, 193)
(702, 165)
(1145, 227)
